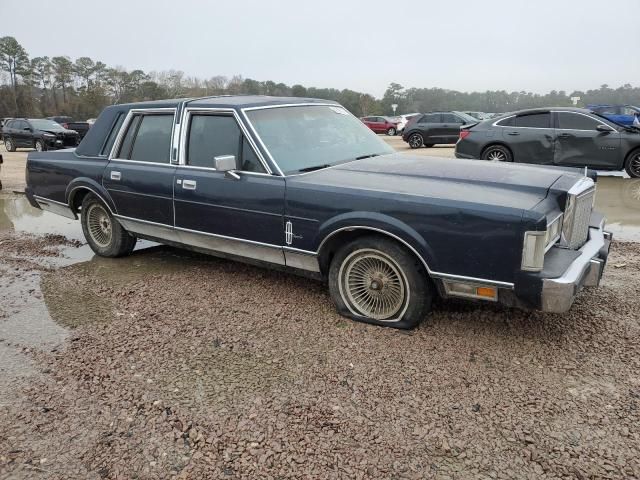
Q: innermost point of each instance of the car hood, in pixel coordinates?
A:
(466, 181)
(55, 132)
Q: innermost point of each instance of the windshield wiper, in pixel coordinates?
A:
(362, 157)
(311, 169)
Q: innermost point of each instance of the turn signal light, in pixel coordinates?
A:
(469, 290)
(464, 133)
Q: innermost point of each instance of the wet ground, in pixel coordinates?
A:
(170, 364)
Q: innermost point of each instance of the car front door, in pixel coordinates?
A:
(238, 213)
(532, 138)
(451, 124)
(139, 176)
(580, 143)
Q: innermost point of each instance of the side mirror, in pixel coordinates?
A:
(226, 164)
(604, 128)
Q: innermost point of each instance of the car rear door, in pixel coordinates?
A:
(431, 126)
(579, 143)
(139, 176)
(451, 124)
(239, 213)
(531, 138)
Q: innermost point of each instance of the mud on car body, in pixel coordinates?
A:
(302, 185)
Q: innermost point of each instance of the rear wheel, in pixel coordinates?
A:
(632, 164)
(375, 280)
(104, 234)
(39, 146)
(415, 140)
(497, 153)
(9, 145)
(391, 131)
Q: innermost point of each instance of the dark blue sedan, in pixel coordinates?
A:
(303, 185)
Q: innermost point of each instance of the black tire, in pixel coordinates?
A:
(632, 164)
(9, 145)
(103, 232)
(497, 153)
(415, 140)
(39, 146)
(391, 274)
(391, 132)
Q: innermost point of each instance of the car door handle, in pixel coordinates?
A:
(564, 135)
(513, 133)
(116, 175)
(189, 184)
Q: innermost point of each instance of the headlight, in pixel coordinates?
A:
(536, 244)
(48, 135)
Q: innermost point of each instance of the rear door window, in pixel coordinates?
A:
(431, 118)
(507, 122)
(534, 120)
(451, 118)
(148, 138)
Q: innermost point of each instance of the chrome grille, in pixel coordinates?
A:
(577, 215)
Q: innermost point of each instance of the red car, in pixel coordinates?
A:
(381, 125)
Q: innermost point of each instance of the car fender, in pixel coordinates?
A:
(382, 224)
(80, 183)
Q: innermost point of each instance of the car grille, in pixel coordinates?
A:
(68, 139)
(577, 216)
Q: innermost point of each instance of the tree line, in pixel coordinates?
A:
(81, 88)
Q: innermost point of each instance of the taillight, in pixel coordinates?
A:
(464, 133)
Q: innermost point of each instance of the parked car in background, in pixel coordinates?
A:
(2, 122)
(431, 128)
(554, 136)
(404, 120)
(479, 115)
(91, 121)
(70, 124)
(622, 114)
(301, 185)
(381, 124)
(37, 133)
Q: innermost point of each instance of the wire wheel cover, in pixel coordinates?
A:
(373, 285)
(99, 225)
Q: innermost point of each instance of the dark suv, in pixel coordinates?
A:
(38, 133)
(435, 127)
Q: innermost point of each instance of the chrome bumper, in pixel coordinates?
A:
(559, 293)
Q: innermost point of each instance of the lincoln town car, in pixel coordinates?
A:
(303, 185)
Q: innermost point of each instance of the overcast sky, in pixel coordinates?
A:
(363, 45)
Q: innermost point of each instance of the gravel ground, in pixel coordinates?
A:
(185, 366)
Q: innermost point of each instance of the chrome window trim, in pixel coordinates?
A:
(286, 105)
(495, 124)
(125, 126)
(185, 121)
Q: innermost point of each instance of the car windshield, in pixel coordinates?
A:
(309, 137)
(41, 124)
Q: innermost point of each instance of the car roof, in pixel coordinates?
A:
(228, 101)
(547, 109)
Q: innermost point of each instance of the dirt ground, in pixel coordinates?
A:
(168, 364)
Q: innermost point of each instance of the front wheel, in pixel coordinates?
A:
(39, 146)
(376, 280)
(104, 234)
(632, 165)
(391, 131)
(415, 140)
(497, 153)
(9, 145)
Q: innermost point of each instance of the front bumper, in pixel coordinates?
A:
(558, 294)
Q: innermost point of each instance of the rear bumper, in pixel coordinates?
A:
(464, 156)
(558, 294)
